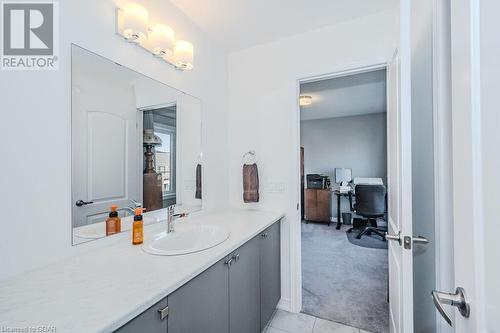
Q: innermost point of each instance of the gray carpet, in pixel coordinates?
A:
(343, 282)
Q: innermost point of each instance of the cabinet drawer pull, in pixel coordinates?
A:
(163, 313)
(236, 257)
(229, 262)
(264, 235)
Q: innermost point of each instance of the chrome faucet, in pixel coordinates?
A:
(131, 209)
(170, 219)
(136, 204)
(128, 209)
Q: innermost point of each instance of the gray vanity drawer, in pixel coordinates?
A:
(270, 272)
(244, 289)
(149, 321)
(201, 305)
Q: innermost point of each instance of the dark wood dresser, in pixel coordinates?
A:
(318, 205)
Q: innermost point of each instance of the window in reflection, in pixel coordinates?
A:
(165, 158)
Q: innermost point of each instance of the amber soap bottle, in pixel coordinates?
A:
(113, 222)
(138, 227)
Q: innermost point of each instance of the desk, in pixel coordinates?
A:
(340, 194)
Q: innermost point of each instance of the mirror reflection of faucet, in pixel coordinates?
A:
(131, 209)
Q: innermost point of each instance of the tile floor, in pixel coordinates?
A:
(286, 322)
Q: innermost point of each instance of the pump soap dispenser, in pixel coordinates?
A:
(138, 227)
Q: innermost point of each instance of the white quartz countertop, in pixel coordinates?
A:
(103, 289)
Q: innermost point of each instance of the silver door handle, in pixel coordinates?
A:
(420, 240)
(393, 237)
(236, 257)
(458, 299)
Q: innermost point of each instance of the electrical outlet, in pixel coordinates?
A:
(275, 187)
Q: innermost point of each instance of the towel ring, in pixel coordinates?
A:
(251, 154)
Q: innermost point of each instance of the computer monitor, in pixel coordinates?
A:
(343, 175)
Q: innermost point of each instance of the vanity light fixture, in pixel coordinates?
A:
(183, 55)
(132, 23)
(162, 40)
(305, 100)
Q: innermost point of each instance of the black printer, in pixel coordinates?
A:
(317, 181)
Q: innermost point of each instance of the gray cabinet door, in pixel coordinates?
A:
(147, 322)
(270, 272)
(201, 305)
(244, 289)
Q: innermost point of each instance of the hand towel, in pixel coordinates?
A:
(197, 194)
(250, 183)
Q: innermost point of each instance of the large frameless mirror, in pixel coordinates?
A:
(136, 142)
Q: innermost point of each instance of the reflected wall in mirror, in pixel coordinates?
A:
(136, 142)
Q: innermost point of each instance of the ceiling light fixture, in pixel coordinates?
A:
(305, 100)
(132, 23)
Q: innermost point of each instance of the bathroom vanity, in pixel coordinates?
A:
(239, 293)
(231, 287)
(137, 142)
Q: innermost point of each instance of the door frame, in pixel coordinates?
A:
(295, 302)
(443, 160)
(177, 150)
(443, 154)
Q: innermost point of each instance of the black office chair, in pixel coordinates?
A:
(370, 203)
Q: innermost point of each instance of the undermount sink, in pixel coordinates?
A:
(189, 239)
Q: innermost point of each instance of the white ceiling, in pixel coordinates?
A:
(238, 24)
(345, 96)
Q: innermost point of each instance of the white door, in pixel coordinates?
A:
(475, 52)
(399, 200)
(104, 152)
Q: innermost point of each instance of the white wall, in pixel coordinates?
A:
(35, 120)
(263, 113)
(356, 142)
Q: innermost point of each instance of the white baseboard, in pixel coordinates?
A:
(285, 304)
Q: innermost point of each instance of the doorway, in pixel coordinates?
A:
(343, 167)
(159, 189)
